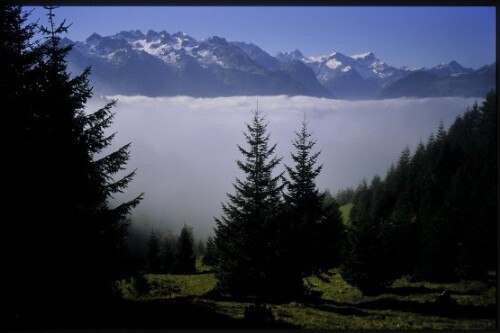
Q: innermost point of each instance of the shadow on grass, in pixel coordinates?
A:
(338, 308)
(452, 310)
(405, 291)
(214, 295)
(410, 290)
(449, 310)
(178, 313)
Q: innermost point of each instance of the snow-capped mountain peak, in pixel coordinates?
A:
(364, 56)
(450, 68)
(182, 65)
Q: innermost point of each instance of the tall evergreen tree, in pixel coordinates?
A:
(153, 254)
(184, 259)
(344, 196)
(71, 229)
(470, 198)
(18, 58)
(246, 233)
(167, 254)
(210, 256)
(366, 264)
(315, 231)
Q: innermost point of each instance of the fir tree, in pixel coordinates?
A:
(66, 184)
(365, 262)
(210, 256)
(153, 255)
(18, 60)
(344, 196)
(184, 262)
(246, 233)
(167, 255)
(315, 232)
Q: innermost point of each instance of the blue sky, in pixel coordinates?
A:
(411, 36)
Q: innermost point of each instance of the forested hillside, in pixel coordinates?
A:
(434, 215)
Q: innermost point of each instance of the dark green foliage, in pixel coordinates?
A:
(332, 236)
(153, 254)
(184, 259)
(365, 262)
(434, 216)
(345, 196)
(246, 234)
(167, 255)
(59, 181)
(210, 256)
(315, 230)
(472, 197)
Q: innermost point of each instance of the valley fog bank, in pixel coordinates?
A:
(185, 150)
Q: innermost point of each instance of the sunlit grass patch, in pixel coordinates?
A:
(334, 304)
(345, 210)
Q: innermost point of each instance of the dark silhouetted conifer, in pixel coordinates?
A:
(153, 254)
(167, 255)
(315, 231)
(69, 229)
(184, 259)
(246, 234)
(210, 256)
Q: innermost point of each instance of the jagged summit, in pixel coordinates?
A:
(160, 63)
(93, 39)
(364, 56)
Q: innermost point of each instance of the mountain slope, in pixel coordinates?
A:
(164, 64)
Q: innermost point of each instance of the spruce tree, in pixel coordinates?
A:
(82, 172)
(246, 233)
(69, 229)
(184, 259)
(471, 196)
(19, 57)
(167, 255)
(366, 263)
(315, 232)
(210, 256)
(153, 255)
(398, 229)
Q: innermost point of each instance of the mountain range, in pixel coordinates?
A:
(164, 64)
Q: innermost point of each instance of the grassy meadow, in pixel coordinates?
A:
(332, 304)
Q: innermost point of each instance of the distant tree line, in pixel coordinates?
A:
(62, 245)
(434, 216)
(345, 196)
(169, 255)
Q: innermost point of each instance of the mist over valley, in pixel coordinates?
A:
(185, 148)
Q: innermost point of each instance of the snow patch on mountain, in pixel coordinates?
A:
(333, 63)
(179, 63)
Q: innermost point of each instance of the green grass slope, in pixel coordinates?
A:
(333, 304)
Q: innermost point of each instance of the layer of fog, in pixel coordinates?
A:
(185, 150)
